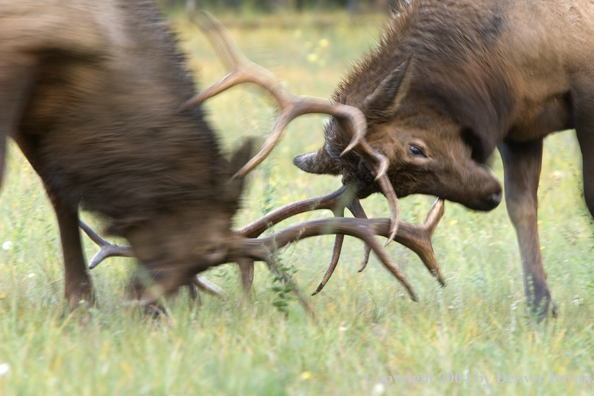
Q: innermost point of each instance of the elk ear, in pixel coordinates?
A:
(389, 94)
(238, 160)
(317, 162)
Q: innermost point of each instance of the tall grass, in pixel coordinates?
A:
(366, 323)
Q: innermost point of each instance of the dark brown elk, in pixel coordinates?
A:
(452, 80)
(92, 92)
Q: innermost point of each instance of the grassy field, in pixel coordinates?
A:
(477, 325)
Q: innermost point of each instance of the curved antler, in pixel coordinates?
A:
(291, 107)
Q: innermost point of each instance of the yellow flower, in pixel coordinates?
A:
(305, 375)
(323, 43)
(312, 57)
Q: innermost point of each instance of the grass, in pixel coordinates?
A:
(477, 325)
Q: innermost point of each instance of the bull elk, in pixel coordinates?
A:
(102, 107)
(452, 80)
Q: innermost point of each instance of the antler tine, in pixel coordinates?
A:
(106, 249)
(205, 285)
(381, 164)
(362, 229)
(358, 211)
(242, 69)
(338, 240)
(422, 246)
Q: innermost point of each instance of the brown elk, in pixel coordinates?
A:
(452, 80)
(92, 92)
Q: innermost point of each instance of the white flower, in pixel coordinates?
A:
(378, 389)
(7, 245)
(4, 369)
(31, 275)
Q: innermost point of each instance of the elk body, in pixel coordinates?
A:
(452, 80)
(92, 92)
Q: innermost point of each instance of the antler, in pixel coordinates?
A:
(291, 107)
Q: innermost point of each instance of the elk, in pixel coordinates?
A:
(452, 80)
(103, 108)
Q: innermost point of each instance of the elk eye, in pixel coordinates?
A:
(417, 151)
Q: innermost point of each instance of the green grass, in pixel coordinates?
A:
(476, 325)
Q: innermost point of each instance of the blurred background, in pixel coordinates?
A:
(352, 6)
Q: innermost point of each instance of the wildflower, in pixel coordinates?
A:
(31, 275)
(378, 389)
(7, 245)
(305, 375)
(312, 57)
(323, 43)
(4, 369)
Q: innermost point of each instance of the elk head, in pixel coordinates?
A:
(428, 151)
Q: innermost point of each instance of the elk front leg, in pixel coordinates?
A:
(77, 282)
(585, 133)
(522, 164)
(15, 83)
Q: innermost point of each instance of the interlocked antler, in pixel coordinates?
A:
(415, 237)
(365, 229)
(245, 71)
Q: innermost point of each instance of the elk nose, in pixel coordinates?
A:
(487, 203)
(494, 199)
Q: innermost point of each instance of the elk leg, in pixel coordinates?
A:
(585, 135)
(15, 83)
(77, 282)
(522, 164)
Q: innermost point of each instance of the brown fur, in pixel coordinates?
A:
(97, 116)
(484, 73)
